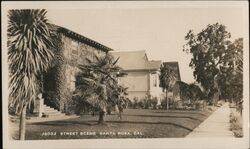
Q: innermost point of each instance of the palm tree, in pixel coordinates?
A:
(99, 79)
(167, 80)
(31, 42)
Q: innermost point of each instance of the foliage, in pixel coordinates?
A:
(195, 92)
(184, 90)
(154, 102)
(215, 58)
(208, 49)
(236, 124)
(97, 82)
(190, 95)
(60, 67)
(163, 104)
(231, 77)
(148, 102)
(135, 103)
(79, 106)
(167, 76)
(51, 100)
(31, 43)
(200, 105)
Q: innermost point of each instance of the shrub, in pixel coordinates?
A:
(142, 103)
(154, 102)
(135, 103)
(145, 103)
(200, 105)
(164, 104)
(128, 103)
(79, 105)
(236, 124)
(149, 102)
(51, 100)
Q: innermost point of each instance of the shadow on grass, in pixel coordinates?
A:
(164, 116)
(94, 123)
(161, 123)
(181, 112)
(64, 123)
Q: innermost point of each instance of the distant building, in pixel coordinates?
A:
(142, 77)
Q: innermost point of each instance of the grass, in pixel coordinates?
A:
(135, 123)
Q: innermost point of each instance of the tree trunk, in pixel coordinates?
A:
(101, 117)
(167, 99)
(22, 123)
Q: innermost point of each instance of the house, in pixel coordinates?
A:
(142, 77)
(59, 81)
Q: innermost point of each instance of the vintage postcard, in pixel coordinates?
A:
(135, 74)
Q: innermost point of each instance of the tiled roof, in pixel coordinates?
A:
(175, 65)
(82, 38)
(135, 60)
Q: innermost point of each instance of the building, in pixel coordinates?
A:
(142, 77)
(59, 81)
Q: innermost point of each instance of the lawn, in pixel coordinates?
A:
(135, 123)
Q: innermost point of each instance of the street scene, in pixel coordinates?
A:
(125, 73)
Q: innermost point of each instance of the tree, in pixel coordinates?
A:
(167, 80)
(31, 42)
(97, 83)
(217, 62)
(231, 77)
(209, 49)
(195, 92)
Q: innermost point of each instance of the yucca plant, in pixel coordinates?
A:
(31, 42)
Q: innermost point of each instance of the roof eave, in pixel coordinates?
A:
(83, 39)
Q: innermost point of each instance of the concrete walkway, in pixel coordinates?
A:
(216, 125)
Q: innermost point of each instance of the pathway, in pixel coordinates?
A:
(216, 125)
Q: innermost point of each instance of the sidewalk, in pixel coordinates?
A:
(216, 125)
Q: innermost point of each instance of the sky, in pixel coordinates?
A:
(160, 31)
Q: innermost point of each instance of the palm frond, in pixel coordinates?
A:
(100, 75)
(31, 45)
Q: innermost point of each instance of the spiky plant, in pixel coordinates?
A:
(99, 79)
(167, 79)
(31, 42)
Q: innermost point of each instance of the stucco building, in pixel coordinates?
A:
(59, 81)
